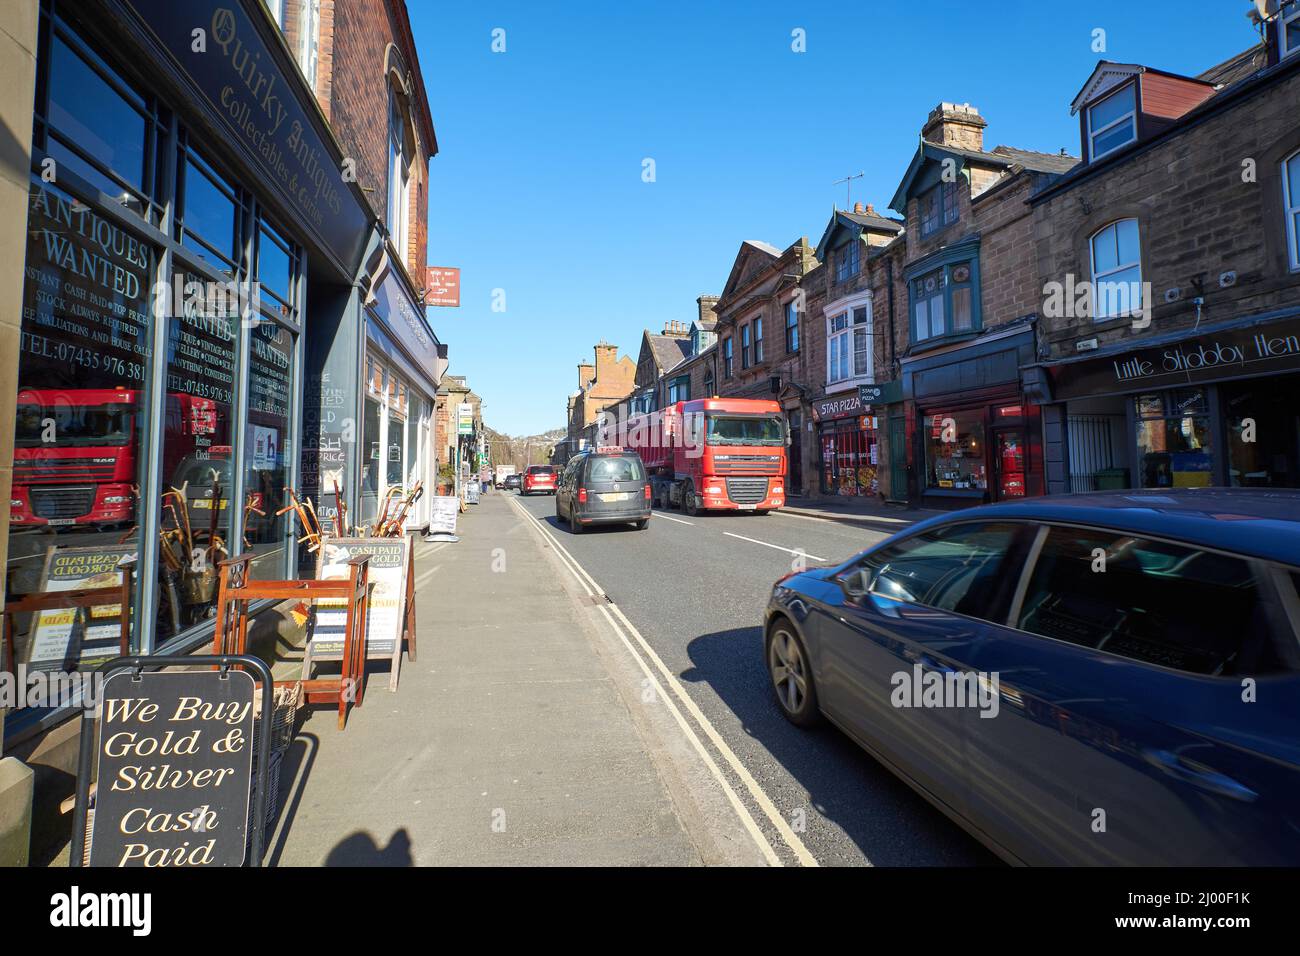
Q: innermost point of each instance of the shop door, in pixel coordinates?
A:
(1009, 463)
(897, 459)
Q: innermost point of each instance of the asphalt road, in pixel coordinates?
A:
(695, 588)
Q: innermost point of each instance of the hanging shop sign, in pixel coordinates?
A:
(239, 75)
(67, 638)
(883, 393)
(1225, 353)
(441, 286)
(465, 418)
(175, 769)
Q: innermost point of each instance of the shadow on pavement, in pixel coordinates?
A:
(360, 849)
(889, 822)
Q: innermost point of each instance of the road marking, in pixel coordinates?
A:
(777, 546)
(671, 518)
(760, 797)
(426, 575)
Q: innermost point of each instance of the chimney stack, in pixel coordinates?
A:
(952, 124)
(708, 305)
(676, 330)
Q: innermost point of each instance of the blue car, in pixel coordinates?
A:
(1101, 679)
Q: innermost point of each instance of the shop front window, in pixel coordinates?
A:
(75, 506)
(372, 459)
(955, 451)
(850, 458)
(266, 448)
(96, 125)
(1174, 439)
(197, 484)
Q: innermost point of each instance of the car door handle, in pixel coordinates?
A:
(1200, 776)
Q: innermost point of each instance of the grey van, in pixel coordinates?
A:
(603, 487)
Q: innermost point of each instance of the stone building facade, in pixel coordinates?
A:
(1169, 262)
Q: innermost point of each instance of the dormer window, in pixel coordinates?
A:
(848, 261)
(1112, 122)
(1288, 26)
(938, 208)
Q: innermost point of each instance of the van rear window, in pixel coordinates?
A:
(615, 469)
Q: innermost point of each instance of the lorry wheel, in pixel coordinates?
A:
(689, 503)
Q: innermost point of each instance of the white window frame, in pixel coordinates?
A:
(1284, 20)
(309, 41)
(841, 343)
(1099, 277)
(1291, 206)
(1130, 115)
(399, 178)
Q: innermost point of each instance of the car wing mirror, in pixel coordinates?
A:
(855, 584)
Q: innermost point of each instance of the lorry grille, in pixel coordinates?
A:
(746, 491)
(50, 468)
(65, 501)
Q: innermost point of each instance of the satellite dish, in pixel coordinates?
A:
(1266, 8)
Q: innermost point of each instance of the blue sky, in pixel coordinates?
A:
(537, 189)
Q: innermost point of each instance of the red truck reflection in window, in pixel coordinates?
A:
(75, 453)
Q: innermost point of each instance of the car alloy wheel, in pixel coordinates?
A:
(792, 681)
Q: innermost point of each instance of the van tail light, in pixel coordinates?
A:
(582, 496)
(647, 492)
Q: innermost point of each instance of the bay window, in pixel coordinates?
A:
(848, 345)
(726, 358)
(945, 300)
(791, 327)
(744, 346)
(758, 340)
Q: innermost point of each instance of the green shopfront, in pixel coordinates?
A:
(193, 326)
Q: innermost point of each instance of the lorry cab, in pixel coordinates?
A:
(605, 486)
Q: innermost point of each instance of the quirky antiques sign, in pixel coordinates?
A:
(175, 769)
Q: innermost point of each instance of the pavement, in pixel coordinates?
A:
(520, 736)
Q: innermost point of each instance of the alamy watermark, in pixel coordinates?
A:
(32, 687)
(1098, 299)
(977, 690)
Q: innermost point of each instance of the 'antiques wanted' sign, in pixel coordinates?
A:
(175, 769)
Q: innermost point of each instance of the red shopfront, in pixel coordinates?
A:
(849, 444)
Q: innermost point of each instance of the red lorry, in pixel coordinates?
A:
(725, 454)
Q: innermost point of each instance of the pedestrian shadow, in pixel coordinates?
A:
(360, 849)
(889, 822)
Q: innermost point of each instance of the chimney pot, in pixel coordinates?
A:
(871, 210)
(858, 208)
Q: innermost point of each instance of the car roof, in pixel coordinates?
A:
(1259, 522)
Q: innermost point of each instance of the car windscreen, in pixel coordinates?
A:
(615, 469)
(745, 430)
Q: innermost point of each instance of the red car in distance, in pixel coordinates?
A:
(539, 479)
